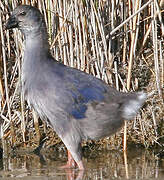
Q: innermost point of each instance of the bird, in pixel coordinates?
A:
(78, 105)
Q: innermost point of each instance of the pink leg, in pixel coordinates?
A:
(80, 165)
(72, 164)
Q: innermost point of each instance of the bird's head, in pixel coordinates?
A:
(26, 18)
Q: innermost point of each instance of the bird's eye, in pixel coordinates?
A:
(22, 13)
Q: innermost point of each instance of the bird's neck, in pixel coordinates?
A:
(36, 44)
(36, 52)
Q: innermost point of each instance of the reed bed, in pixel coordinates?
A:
(120, 42)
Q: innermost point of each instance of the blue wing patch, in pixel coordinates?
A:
(79, 112)
(85, 95)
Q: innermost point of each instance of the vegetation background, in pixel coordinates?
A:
(118, 41)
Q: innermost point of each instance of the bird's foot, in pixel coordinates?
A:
(69, 165)
(72, 164)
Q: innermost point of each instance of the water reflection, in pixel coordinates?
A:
(137, 164)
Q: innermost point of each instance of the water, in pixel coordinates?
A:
(100, 165)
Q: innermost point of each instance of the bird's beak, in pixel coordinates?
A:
(11, 23)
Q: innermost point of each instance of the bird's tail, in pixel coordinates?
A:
(132, 103)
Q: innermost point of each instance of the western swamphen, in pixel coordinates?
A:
(78, 106)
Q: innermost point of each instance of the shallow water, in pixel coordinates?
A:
(136, 164)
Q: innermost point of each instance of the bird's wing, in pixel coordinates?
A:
(72, 90)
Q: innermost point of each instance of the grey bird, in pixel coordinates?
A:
(78, 106)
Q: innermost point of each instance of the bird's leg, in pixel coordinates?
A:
(80, 165)
(72, 164)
